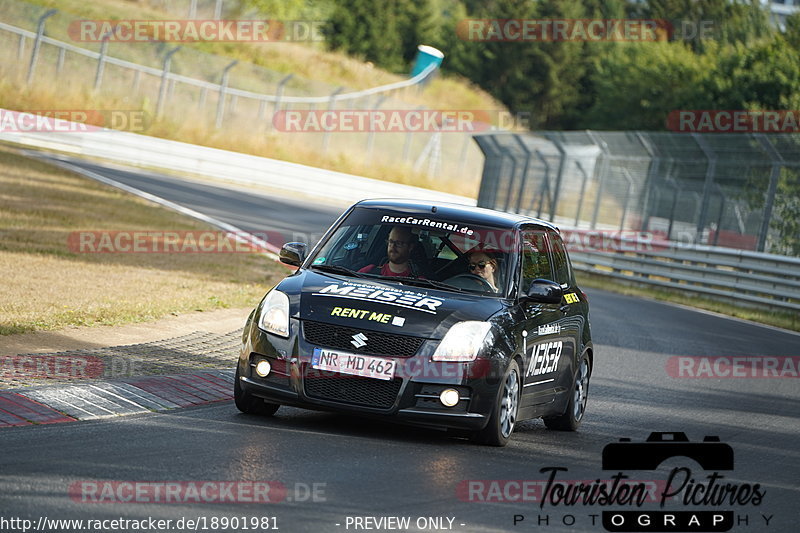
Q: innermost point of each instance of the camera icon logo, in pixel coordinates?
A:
(711, 454)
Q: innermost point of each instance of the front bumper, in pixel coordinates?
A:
(411, 397)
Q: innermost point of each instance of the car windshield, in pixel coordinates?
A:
(423, 250)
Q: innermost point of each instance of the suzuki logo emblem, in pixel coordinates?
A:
(359, 340)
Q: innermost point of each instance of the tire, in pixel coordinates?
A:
(504, 415)
(572, 417)
(249, 404)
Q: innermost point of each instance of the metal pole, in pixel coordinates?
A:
(278, 97)
(38, 42)
(559, 178)
(709, 181)
(201, 103)
(721, 213)
(162, 91)
(21, 48)
(506, 151)
(601, 178)
(545, 189)
(629, 179)
(371, 136)
(193, 9)
(652, 172)
(331, 104)
(524, 178)
(583, 192)
(222, 87)
(407, 143)
(62, 52)
(98, 77)
(462, 158)
(775, 173)
(218, 9)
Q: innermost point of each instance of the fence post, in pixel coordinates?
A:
(709, 181)
(62, 52)
(545, 184)
(524, 178)
(407, 142)
(629, 179)
(774, 175)
(162, 91)
(371, 136)
(601, 175)
(222, 87)
(101, 61)
(562, 163)
(218, 9)
(38, 42)
(193, 9)
(652, 172)
(583, 192)
(21, 48)
(278, 97)
(331, 104)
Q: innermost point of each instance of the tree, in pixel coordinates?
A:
(637, 85)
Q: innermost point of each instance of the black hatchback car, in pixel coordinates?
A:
(436, 314)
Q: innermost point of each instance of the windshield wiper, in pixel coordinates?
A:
(424, 282)
(336, 269)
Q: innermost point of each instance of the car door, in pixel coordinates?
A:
(571, 321)
(540, 331)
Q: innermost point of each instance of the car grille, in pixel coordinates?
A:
(354, 390)
(332, 336)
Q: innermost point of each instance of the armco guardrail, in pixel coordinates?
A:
(742, 277)
(153, 152)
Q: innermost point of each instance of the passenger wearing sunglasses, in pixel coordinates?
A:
(483, 265)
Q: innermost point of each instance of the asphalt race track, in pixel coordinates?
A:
(342, 473)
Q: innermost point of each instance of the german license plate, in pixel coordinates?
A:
(353, 364)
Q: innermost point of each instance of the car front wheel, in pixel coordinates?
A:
(249, 404)
(504, 415)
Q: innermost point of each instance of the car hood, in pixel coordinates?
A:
(381, 305)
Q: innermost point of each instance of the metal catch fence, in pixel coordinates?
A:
(730, 190)
(201, 91)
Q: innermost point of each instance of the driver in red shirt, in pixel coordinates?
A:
(398, 250)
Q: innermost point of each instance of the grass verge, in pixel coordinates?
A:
(48, 286)
(786, 320)
(190, 117)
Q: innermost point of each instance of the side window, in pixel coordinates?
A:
(535, 262)
(560, 262)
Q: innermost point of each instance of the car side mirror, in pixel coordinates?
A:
(544, 291)
(293, 253)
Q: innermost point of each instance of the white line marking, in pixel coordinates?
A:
(237, 233)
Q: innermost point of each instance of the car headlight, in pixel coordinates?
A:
(275, 314)
(463, 342)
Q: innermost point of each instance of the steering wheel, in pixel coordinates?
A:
(470, 278)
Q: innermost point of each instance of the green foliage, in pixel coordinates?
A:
(655, 79)
(386, 33)
(785, 220)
